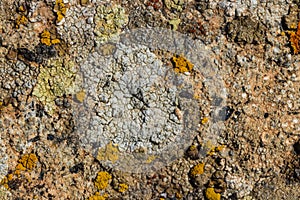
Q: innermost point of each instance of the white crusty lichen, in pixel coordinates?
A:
(109, 21)
(59, 77)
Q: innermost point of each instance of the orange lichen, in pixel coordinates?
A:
(181, 64)
(295, 39)
(210, 194)
(102, 180)
(197, 170)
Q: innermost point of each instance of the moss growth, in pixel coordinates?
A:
(181, 64)
(109, 152)
(210, 194)
(197, 170)
(56, 79)
(109, 21)
(102, 180)
(295, 39)
(122, 187)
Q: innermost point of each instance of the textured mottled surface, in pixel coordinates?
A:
(79, 108)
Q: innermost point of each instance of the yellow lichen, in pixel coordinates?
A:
(22, 8)
(55, 41)
(122, 187)
(197, 170)
(175, 23)
(60, 9)
(80, 96)
(27, 162)
(97, 196)
(210, 194)
(150, 159)
(204, 120)
(193, 148)
(102, 180)
(181, 65)
(215, 149)
(295, 39)
(21, 20)
(6, 179)
(46, 38)
(109, 152)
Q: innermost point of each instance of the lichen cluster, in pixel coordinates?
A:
(122, 187)
(102, 180)
(25, 164)
(60, 10)
(109, 152)
(97, 196)
(174, 4)
(197, 170)
(47, 40)
(21, 17)
(181, 64)
(210, 194)
(109, 21)
(56, 79)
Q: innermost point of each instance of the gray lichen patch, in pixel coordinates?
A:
(136, 103)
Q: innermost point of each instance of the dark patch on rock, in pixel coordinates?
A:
(246, 31)
(76, 168)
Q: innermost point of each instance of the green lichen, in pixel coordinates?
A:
(109, 21)
(59, 77)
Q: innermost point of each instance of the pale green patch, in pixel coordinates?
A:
(109, 20)
(57, 78)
